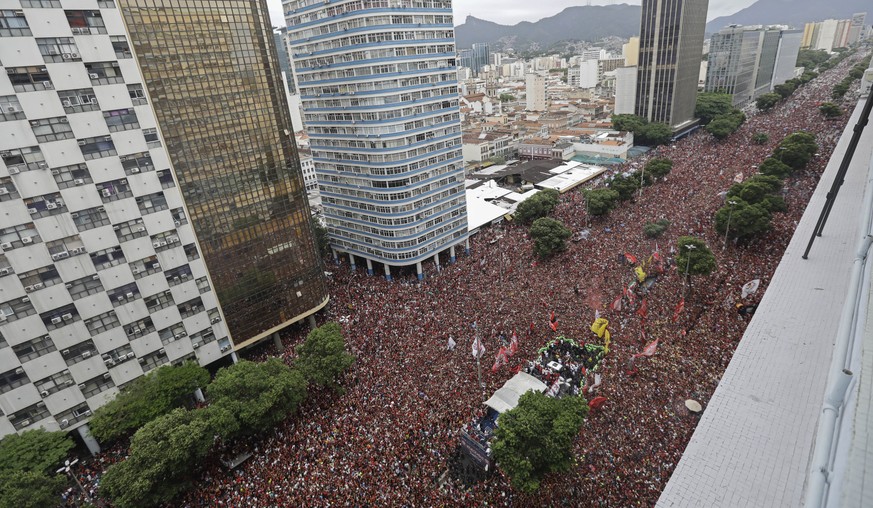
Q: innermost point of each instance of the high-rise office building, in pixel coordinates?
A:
(380, 96)
(631, 52)
(481, 56)
(671, 48)
(535, 91)
(150, 200)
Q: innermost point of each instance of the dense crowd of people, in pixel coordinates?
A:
(388, 439)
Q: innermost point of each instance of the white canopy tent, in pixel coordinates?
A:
(507, 396)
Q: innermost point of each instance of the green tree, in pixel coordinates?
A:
(811, 58)
(258, 395)
(163, 457)
(539, 205)
(796, 150)
(549, 236)
(840, 90)
(746, 220)
(655, 134)
(319, 233)
(147, 398)
(600, 201)
(721, 127)
(322, 357)
(498, 160)
(536, 438)
(629, 123)
(757, 192)
(656, 229)
(785, 89)
(711, 105)
(830, 110)
(659, 168)
(506, 97)
(625, 186)
(697, 260)
(766, 101)
(759, 138)
(34, 450)
(30, 489)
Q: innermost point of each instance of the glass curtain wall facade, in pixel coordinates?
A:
(378, 82)
(212, 71)
(671, 48)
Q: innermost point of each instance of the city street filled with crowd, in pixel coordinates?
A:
(387, 440)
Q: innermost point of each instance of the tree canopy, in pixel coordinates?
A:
(774, 167)
(645, 133)
(34, 450)
(322, 358)
(258, 395)
(711, 104)
(147, 398)
(549, 236)
(766, 101)
(539, 205)
(656, 229)
(659, 167)
(30, 489)
(830, 110)
(600, 201)
(698, 260)
(625, 186)
(796, 149)
(746, 220)
(726, 124)
(536, 438)
(162, 458)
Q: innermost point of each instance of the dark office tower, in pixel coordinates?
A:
(671, 47)
(213, 75)
(481, 56)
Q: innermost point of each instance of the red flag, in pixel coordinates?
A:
(678, 310)
(630, 258)
(552, 317)
(500, 359)
(513, 344)
(596, 402)
(616, 305)
(554, 326)
(649, 350)
(643, 311)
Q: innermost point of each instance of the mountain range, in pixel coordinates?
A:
(593, 23)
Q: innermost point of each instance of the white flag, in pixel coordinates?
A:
(478, 348)
(451, 343)
(750, 287)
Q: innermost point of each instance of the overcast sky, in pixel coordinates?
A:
(510, 12)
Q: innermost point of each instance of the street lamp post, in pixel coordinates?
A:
(728, 228)
(67, 469)
(690, 248)
(642, 179)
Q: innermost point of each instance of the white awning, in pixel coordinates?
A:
(507, 396)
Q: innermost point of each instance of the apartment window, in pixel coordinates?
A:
(164, 241)
(118, 355)
(10, 108)
(88, 285)
(114, 190)
(54, 383)
(45, 206)
(78, 101)
(151, 137)
(90, 218)
(86, 22)
(106, 4)
(137, 163)
(29, 79)
(12, 379)
(5, 267)
(107, 257)
(58, 49)
(124, 294)
(60, 317)
(203, 337)
(3, 342)
(73, 415)
(152, 203)
(172, 333)
(51, 129)
(130, 230)
(65, 247)
(139, 328)
(121, 120)
(159, 301)
(7, 190)
(153, 360)
(29, 416)
(98, 147)
(191, 307)
(96, 385)
(179, 217)
(16, 309)
(121, 46)
(137, 94)
(79, 352)
(178, 275)
(23, 159)
(13, 23)
(34, 348)
(104, 73)
(40, 278)
(99, 324)
(72, 176)
(40, 4)
(145, 267)
(166, 179)
(214, 316)
(203, 285)
(18, 236)
(191, 252)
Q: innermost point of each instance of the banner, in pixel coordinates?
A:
(649, 350)
(750, 287)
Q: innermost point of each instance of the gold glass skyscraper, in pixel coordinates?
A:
(213, 76)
